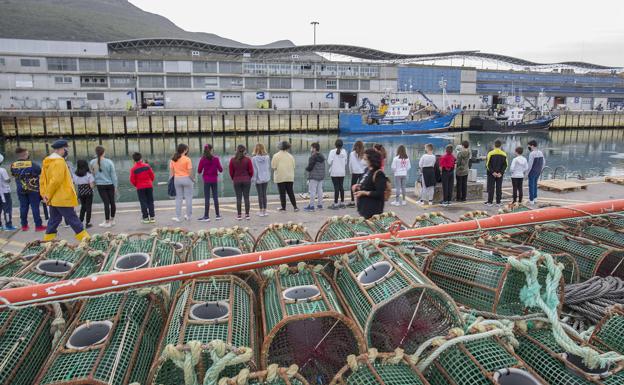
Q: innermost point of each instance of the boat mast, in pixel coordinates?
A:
(442, 83)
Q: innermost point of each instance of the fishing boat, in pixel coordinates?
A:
(510, 119)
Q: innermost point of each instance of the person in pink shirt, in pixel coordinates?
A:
(210, 167)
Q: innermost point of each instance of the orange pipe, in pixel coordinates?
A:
(115, 281)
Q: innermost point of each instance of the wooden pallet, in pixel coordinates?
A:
(560, 185)
(615, 179)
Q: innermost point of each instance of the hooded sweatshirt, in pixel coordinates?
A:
(283, 163)
(262, 169)
(316, 166)
(337, 162)
(56, 182)
(210, 169)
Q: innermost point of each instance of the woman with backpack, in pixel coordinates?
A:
(337, 161)
(372, 191)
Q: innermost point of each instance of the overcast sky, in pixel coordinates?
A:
(539, 30)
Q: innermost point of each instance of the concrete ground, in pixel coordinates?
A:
(128, 214)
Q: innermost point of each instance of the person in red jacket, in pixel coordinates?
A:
(241, 171)
(142, 177)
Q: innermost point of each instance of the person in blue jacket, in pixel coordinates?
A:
(26, 174)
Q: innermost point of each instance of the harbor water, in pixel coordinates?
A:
(582, 152)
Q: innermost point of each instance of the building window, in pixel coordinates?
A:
(92, 65)
(348, 70)
(331, 84)
(95, 95)
(365, 85)
(280, 83)
(152, 81)
(178, 82)
(205, 67)
(122, 82)
(308, 84)
(369, 72)
(2, 61)
(205, 82)
(255, 68)
(227, 82)
(63, 80)
(226, 67)
(348, 84)
(255, 83)
(93, 81)
(62, 64)
(30, 62)
(150, 66)
(121, 66)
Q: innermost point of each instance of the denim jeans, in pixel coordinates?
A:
(533, 186)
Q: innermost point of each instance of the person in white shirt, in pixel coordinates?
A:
(400, 166)
(6, 203)
(519, 168)
(337, 161)
(427, 170)
(357, 166)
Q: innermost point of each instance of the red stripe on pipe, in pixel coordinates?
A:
(115, 281)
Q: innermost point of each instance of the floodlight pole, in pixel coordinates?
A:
(314, 24)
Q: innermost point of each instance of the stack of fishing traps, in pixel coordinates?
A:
(471, 308)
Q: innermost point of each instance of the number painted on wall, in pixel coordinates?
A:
(210, 95)
(260, 95)
(329, 95)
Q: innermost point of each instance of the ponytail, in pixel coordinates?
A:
(339, 145)
(99, 152)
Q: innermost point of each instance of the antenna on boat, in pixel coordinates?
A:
(442, 83)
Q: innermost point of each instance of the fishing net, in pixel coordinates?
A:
(57, 260)
(592, 257)
(280, 235)
(305, 324)
(431, 219)
(207, 309)
(541, 352)
(10, 263)
(479, 279)
(138, 251)
(274, 375)
(343, 227)
(382, 222)
(393, 303)
(379, 369)
(609, 333)
(25, 342)
(180, 238)
(112, 340)
(603, 235)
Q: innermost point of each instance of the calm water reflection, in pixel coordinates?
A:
(577, 150)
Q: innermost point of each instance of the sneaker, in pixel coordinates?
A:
(281, 209)
(309, 208)
(25, 228)
(145, 221)
(319, 207)
(334, 206)
(342, 205)
(488, 204)
(421, 202)
(204, 219)
(430, 203)
(296, 209)
(176, 219)
(403, 203)
(66, 226)
(260, 214)
(112, 222)
(10, 228)
(351, 204)
(247, 217)
(239, 218)
(499, 204)
(88, 226)
(43, 228)
(186, 218)
(152, 220)
(395, 203)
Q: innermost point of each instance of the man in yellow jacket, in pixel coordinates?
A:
(57, 189)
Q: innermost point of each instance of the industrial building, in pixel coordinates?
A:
(183, 74)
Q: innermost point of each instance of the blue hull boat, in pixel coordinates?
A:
(352, 123)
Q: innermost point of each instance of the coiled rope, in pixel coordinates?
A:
(588, 302)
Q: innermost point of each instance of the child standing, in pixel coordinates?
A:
(5, 196)
(261, 176)
(447, 169)
(357, 166)
(210, 167)
(241, 172)
(85, 183)
(427, 171)
(316, 175)
(142, 177)
(400, 166)
(337, 161)
(519, 167)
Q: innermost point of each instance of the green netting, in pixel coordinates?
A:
(479, 279)
(382, 222)
(403, 308)
(431, 219)
(126, 353)
(472, 215)
(239, 330)
(278, 235)
(458, 365)
(10, 264)
(205, 242)
(344, 227)
(181, 239)
(161, 252)
(312, 333)
(609, 335)
(25, 342)
(380, 372)
(591, 257)
(604, 234)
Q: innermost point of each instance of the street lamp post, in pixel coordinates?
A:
(314, 24)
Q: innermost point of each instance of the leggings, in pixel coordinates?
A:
(242, 191)
(107, 193)
(286, 188)
(400, 182)
(338, 182)
(262, 194)
(354, 179)
(86, 202)
(208, 187)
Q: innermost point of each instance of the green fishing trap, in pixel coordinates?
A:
(342, 227)
(541, 352)
(180, 238)
(139, 251)
(274, 375)
(10, 263)
(431, 219)
(603, 235)
(609, 333)
(280, 235)
(112, 341)
(57, 260)
(472, 215)
(305, 324)
(384, 221)
(374, 368)
(393, 303)
(480, 279)
(593, 258)
(206, 309)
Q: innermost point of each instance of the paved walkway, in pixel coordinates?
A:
(128, 214)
